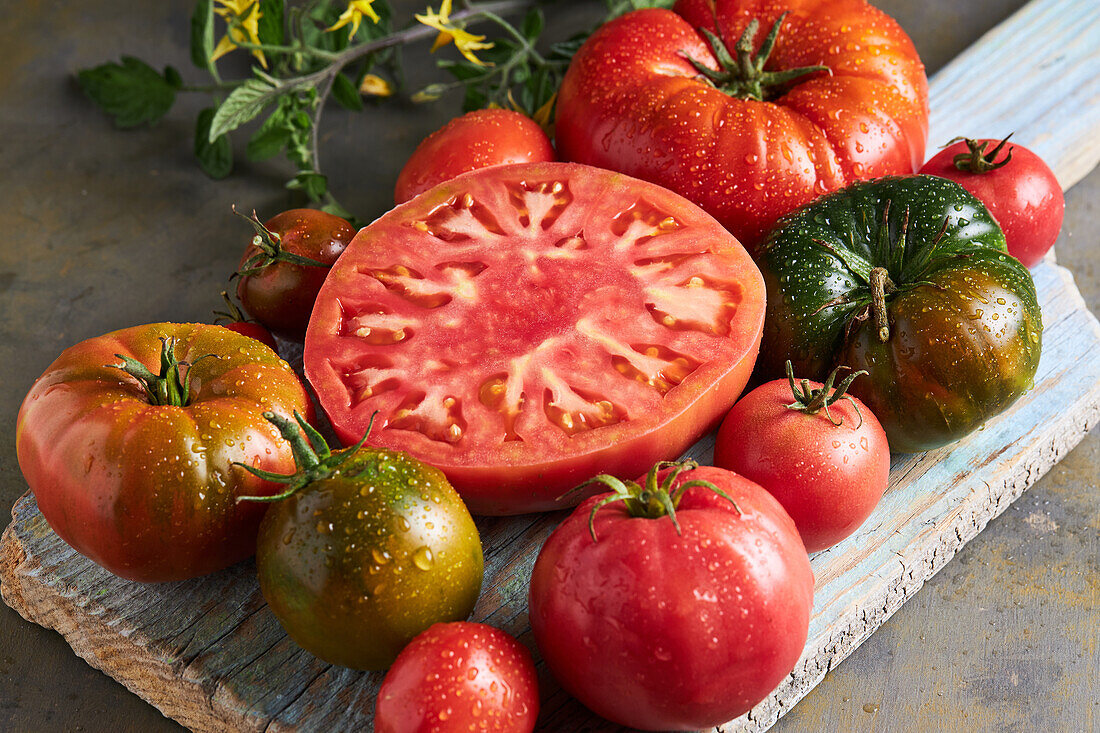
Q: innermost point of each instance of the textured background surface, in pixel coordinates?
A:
(106, 229)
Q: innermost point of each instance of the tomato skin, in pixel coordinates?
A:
(358, 563)
(253, 331)
(1023, 196)
(965, 330)
(281, 296)
(479, 139)
(148, 491)
(422, 320)
(828, 477)
(459, 677)
(632, 102)
(661, 631)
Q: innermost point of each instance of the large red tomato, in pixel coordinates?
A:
(819, 451)
(134, 468)
(479, 139)
(649, 95)
(1017, 187)
(526, 327)
(459, 678)
(673, 626)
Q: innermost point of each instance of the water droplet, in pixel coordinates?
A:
(422, 558)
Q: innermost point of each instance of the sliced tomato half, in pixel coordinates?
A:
(526, 327)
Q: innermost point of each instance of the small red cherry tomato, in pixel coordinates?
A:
(479, 139)
(239, 323)
(820, 452)
(284, 266)
(459, 677)
(1019, 190)
(674, 603)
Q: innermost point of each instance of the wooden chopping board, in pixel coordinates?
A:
(208, 652)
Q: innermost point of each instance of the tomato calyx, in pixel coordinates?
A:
(313, 458)
(270, 249)
(897, 274)
(744, 77)
(658, 498)
(232, 312)
(976, 160)
(811, 401)
(171, 386)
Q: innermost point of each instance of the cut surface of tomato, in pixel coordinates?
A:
(526, 327)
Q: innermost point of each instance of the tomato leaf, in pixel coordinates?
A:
(270, 24)
(202, 34)
(215, 157)
(244, 104)
(532, 24)
(344, 92)
(132, 92)
(315, 185)
(270, 139)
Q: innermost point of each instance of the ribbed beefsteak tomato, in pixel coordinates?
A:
(746, 124)
(133, 468)
(526, 327)
(909, 279)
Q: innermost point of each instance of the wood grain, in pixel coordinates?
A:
(208, 652)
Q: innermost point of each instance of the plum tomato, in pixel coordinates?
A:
(674, 603)
(908, 279)
(819, 451)
(1019, 190)
(128, 441)
(479, 139)
(283, 267)
(237, 321)
(365, 549)
(749, 108)
(526, 327)
(456, 678)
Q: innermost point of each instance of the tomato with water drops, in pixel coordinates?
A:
(364, 550)
(459, 678)
(908, 279)
(676, 602)
(749, 109)
(128, 441)
(526, 327)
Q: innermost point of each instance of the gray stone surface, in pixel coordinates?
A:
(104, 229)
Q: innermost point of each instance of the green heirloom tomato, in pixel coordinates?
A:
(909, 279)
(365, 550)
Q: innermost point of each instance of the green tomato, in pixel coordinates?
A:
(909, 279)
(370, 548)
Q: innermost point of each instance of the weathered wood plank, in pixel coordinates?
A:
(209, 653)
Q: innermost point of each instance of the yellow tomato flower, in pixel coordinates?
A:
(354, 15)
(245, 30)
(465, 42)
(375, 86)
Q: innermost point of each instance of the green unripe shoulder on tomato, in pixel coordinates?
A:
(961, 318)
(358, 563)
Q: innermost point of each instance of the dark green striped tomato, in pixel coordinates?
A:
(909, 279)
(366, 549)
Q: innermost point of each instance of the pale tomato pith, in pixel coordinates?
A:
(526, 327)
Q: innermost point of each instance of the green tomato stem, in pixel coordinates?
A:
(881, 285)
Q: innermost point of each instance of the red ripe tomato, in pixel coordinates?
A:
(134, 469)
(526, 327)
(748, 139)
(1019, 190)
(459, 677)
(284, 266)
(479, 139)
(665, 626)
(820, 452)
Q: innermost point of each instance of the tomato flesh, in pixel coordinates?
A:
(526, 327)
